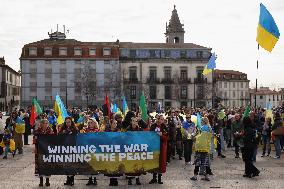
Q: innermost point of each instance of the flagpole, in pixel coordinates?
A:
(256, 80)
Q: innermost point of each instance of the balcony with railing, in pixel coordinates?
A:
(184, 80)
(167, 81)
(153, 80)
(200, 80)
(130, 80)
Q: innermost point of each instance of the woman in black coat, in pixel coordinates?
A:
(249, 139)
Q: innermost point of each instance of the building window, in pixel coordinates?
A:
(32, 75)
(273, 98)
(168, 104)
(234, 84)
(183, 54)
(242, 85)
(48, 89)
(92, 51)
(168, 92)
(199, 54)
(107, 51)
(62, 51)
(152, 53)
(183, 92)
(32, 51)
(77, 72)
(183, 74)
(47, 51)
(48, 84)
(153, 92)
(260, 97)
(277, 98)
(225, 94)
(167, 53)
(183, 104)
(132, 73)
(78, 87)
(167, 72)
(48, 75)
(225, 85)
(77, 51)
(63, 74)
(133, 92)
(200, 92)
(132, 53)
(153, 73)
(32, 63)
(48, 97)
(176, 40)
(199, 74)
(48, 63)
(233, 76)
(33, 89)
(63, 89)
(234, 94)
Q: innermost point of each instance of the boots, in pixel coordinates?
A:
(71, 180)
(113, 182)
(68, 181)
(90, 182)
(47, 182)
(160, 179)
(179, 154)
(129, 180)
(40, 181)
(154, 179)
(95, 181)
(138, 181)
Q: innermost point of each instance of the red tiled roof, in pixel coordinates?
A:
(161, 45)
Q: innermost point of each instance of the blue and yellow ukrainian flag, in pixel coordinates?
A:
(20, 125)
(267, 30)
(211, 65)
(124, 106)
(60, 110)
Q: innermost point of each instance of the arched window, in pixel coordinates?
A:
(176, 40)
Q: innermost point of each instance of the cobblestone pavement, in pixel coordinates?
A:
(18, 172)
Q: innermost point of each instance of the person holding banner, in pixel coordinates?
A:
(134, 126)
(112, 128)
(92, 127)
(43, 129)
(68, 127)
(162, 130)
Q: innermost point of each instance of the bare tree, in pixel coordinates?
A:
(88, 83)
(176, 86)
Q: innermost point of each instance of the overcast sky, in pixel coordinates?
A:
(227, 26)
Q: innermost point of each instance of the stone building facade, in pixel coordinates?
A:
(169, 73)
(266, 97)
(10, 83)
(231, 88)
(80, 72)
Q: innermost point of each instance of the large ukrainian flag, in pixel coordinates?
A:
(267, 30)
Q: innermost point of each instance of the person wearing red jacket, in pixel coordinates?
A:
(161, 129)
(43, 129)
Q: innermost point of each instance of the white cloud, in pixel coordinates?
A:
(227, 26)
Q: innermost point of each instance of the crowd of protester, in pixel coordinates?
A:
(182, 138)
